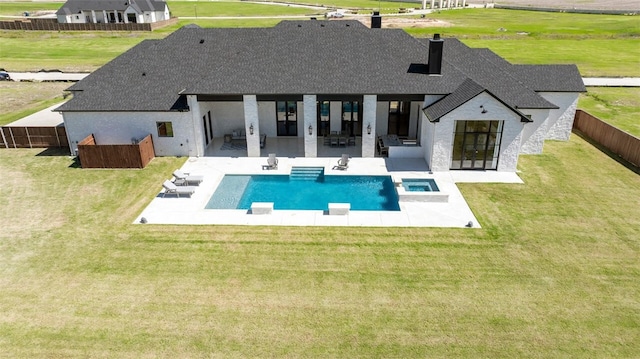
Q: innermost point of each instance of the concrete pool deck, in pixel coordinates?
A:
(191, 210)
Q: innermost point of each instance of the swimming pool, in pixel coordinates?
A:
(364, 193)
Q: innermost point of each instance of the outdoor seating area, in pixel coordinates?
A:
(336, 139)
(182, 178)
(184, 183)
(171, 188)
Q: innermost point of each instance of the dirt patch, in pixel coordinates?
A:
(402, 22)
(19, 95)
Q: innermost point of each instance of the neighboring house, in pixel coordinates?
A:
(463, 108)
(113, 11)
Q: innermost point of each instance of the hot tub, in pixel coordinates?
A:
(419, 190)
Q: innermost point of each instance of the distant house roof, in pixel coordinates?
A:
(299, 57)
(76, 6)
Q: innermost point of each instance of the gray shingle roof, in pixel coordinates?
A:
(294, 57)
(76, 6)
(465, 92)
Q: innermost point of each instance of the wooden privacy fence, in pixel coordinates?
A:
(33, 137)
(136, 155)
(34, 24)
(612, 138)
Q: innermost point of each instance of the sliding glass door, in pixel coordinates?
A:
(287, 117)
(476, 145)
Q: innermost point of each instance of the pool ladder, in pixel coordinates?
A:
(307, 173)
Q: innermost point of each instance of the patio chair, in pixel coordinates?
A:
(272, 162)
(343, 163)
(342, 141)
(334, 141)
(170, 187)
(184, 178)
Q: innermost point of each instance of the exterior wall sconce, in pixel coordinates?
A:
(251, 129)
(310, 130)
(484, 110)
(368, 129)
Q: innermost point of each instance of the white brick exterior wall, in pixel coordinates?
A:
(441, 154)
(560, 121)
(533, 133)
(121, 127)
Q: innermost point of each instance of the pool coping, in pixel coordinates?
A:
(190, 210)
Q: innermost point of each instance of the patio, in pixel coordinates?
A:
(191, 211)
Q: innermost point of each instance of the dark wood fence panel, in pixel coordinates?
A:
(53, 25)
(615, 140)
(93, 155)
(146, 150)
(33, 137)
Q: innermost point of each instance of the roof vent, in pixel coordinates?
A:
(144, 74)
(299, 25)
(202, 41)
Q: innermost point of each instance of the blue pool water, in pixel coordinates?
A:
(420, 185)
(364, 193)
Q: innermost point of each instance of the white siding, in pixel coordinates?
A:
(121, 127)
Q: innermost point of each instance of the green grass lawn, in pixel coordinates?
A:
(18, 8)
(554, 271)
(616, 105)
(590, 41)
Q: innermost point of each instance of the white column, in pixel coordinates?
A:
(424, 4)
(456, 3)
(310, 122)
(251, 121)
(433, 3)
(105, 18)
(440, 3)
(464, 3)
(369, 104)
(195, 144)
(93, 16)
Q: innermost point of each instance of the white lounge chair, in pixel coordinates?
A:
(272, 162)
(186, 178)
(170, 187)
(343, 163)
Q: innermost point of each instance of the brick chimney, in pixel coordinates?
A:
(435, 55)
(376, 20)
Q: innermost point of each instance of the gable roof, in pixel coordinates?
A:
(465, 92)
(295, 57)
(76, 6)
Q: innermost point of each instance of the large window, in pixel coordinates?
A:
(476, 145)
(287, 117)
(165, 129)
(324, 111)
(351, 118)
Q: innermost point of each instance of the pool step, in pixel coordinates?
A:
(307, 173)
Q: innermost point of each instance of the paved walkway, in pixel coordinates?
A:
(66, 76)
(612, 81)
